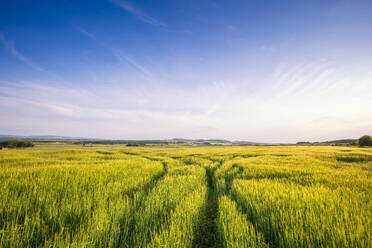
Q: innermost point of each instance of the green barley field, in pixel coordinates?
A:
(117, 196)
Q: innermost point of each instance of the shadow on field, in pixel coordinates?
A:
(245, 156)
(354, 158)
(142, 156)
(131, 153)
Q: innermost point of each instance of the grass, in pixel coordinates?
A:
(115, 196)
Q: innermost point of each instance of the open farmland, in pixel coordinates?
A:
(279, 196)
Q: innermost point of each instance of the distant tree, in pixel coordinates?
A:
(354, 143)
(133, 144)
(365, 140)
(16, 143)
(303, 143)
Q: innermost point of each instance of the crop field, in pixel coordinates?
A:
(278, 196)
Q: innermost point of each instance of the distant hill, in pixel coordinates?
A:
(342, 141)
(41, 137)
(334, 142)
(201, 140)
(247, 143)
(51, 138)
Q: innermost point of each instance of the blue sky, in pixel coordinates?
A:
(270, 71)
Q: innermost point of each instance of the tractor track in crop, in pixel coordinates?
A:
(229, 179)
(126, 240)
(206, 230)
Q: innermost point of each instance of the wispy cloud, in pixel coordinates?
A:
(41, 105)
(85, 32)
(138, 13)
(217, 109)
(133, 63)
(119, 55)
(9, 45)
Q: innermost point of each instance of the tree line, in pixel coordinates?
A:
(15, 143)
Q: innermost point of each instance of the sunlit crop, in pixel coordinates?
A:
(280, 196)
